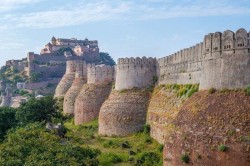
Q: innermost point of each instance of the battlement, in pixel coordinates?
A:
(227, 42)
(137, 61)
(100, 74)
(183, 56)
(135, 72)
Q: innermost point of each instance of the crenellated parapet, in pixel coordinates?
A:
(100, 74)
(226, 60)
(222, 51)
(135, 72)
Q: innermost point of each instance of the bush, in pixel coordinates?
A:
(32, 145)
(222, 148)
(110, 159)
(110, 144)
(248, 90)
(148, 140)
(42, 110)
(146, 129)
(185, 158)
(211, 90)
(7, 120)
(148, 159)
(161, 147)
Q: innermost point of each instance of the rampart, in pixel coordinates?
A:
(94, 93)
(226, 60)
(100, 74)
(222, 60)
(67, 79)
(79, 81)
(135, 72)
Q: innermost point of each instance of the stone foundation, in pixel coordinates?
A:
(64, 84)
(123, 113)
(70, 97)
(89, 102)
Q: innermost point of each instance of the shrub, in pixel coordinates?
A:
(148, 159)
(222, 148)
(32, 145)
(42, 110)
(248, 90)
(211, 90)
(110, 159)
(161, 147)
(185, 158)
(110, 144)
(148, 140)
(146, 129)
(7, 120)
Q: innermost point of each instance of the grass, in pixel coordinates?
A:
(247, 90)
(182, 91)
(211, 90)
(122, 151)
(222, 148)
(185, 158)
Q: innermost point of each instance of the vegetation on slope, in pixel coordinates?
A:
(28, 142)
(137, 149)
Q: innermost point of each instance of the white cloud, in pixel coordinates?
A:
(70, 14)
(6, 5)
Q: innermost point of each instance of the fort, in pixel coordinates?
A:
(134, 92)
(222, 60)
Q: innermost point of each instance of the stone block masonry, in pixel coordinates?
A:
(79, 81)
(67, 79)
(222, 60)
(94, 93)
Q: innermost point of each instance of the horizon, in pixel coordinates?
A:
(123, 28)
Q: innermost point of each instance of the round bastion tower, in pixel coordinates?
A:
(70, 96)
(67, 79)
(125, 110)
(94, 93)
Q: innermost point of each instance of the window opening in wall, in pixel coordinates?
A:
(248, 50)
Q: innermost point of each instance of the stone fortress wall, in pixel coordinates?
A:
(226, 60)
(94, 93)
(79, 80)
(135, 72)
(100, 74)
(67, 79)
(221, 61)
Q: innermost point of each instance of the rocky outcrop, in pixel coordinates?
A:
(89, 102)
(123, 113)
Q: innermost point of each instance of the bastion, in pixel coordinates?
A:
(67, 79)
(94, 93)
(70, 96)
(125, 110)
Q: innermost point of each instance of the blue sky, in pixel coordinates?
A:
(123, 28)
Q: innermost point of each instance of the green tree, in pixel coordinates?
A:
(35, 77)
(42, 110)
(106, 59)
(7, 120)
(33, 145)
